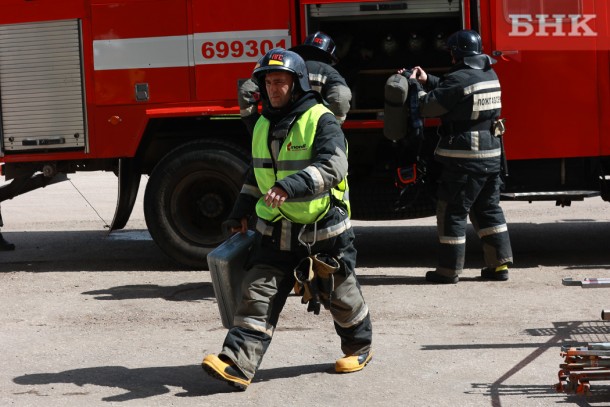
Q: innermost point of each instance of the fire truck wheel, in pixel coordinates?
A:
(191, 191)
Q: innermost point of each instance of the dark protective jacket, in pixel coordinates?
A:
(467, 100)
(329, 83)
(326, 169)
(323, 78)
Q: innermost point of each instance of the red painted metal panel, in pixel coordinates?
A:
(166, 85)
(603, 91)
(338, 1)
(120, 139)
(230, 38)
(114, 19)
(19, 11)
(182, 111)
(550, 113)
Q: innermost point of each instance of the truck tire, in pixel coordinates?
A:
(191, 191)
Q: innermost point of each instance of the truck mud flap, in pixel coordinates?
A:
(129, 183)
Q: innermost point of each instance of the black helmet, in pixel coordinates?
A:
(440, 41)
(415, 43)
(279, 59)
(317, 46)
(464, 43)
(389, 45)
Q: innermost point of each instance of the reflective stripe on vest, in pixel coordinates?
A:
(296, 153)
(486, 96)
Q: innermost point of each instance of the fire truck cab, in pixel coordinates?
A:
(148, 87)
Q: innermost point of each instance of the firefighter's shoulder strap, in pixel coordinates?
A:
(416, 124)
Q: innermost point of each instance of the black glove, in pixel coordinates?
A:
(228, 225)
(407, 73)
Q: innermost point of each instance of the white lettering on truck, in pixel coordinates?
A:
(575, 25)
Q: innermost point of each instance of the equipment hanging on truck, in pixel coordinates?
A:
(85, 86)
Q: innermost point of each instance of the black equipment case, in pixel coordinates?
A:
(226, 264)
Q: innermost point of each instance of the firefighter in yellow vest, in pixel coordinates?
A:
(297, 189)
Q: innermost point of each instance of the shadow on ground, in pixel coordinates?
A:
(575, 244)
(573, 333)
(141, 383)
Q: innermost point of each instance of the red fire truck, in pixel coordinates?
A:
(149, 87)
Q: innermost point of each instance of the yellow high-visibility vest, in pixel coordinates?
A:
(296, 153)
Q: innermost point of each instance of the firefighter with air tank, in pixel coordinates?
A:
(319, 52)
(468, 102)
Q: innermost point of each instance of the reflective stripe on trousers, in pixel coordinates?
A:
(265, 290)
(460, 195)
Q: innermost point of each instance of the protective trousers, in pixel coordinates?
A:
(266, 288)
(463, 194)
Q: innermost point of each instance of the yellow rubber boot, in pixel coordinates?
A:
(353, 363)
(226, 371)
(500, 273)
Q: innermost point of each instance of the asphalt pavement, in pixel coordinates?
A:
(98, 319)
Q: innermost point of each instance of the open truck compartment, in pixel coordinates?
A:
(374, 40)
